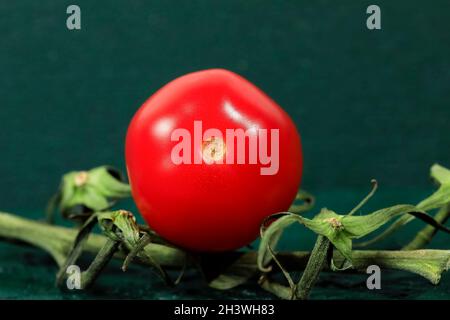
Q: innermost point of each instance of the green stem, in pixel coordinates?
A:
(101, 260)
(425, 235)
(58, 241)
(429, 264)
(315, 264)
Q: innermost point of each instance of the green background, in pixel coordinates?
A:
(368, 104)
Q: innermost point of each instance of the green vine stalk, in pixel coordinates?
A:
(58, 241)
(87, 198)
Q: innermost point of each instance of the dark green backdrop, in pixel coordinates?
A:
(368, 104)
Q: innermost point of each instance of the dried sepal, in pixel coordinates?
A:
(83, 192)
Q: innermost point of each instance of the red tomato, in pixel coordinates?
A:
(211, 206)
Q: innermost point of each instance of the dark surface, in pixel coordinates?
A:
(34, 278)
(29, 273)
(368, 104)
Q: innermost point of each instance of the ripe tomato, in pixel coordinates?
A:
(211, 206)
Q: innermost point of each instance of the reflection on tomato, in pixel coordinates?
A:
(211, 206)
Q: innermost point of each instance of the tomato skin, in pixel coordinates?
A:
(208, 207)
